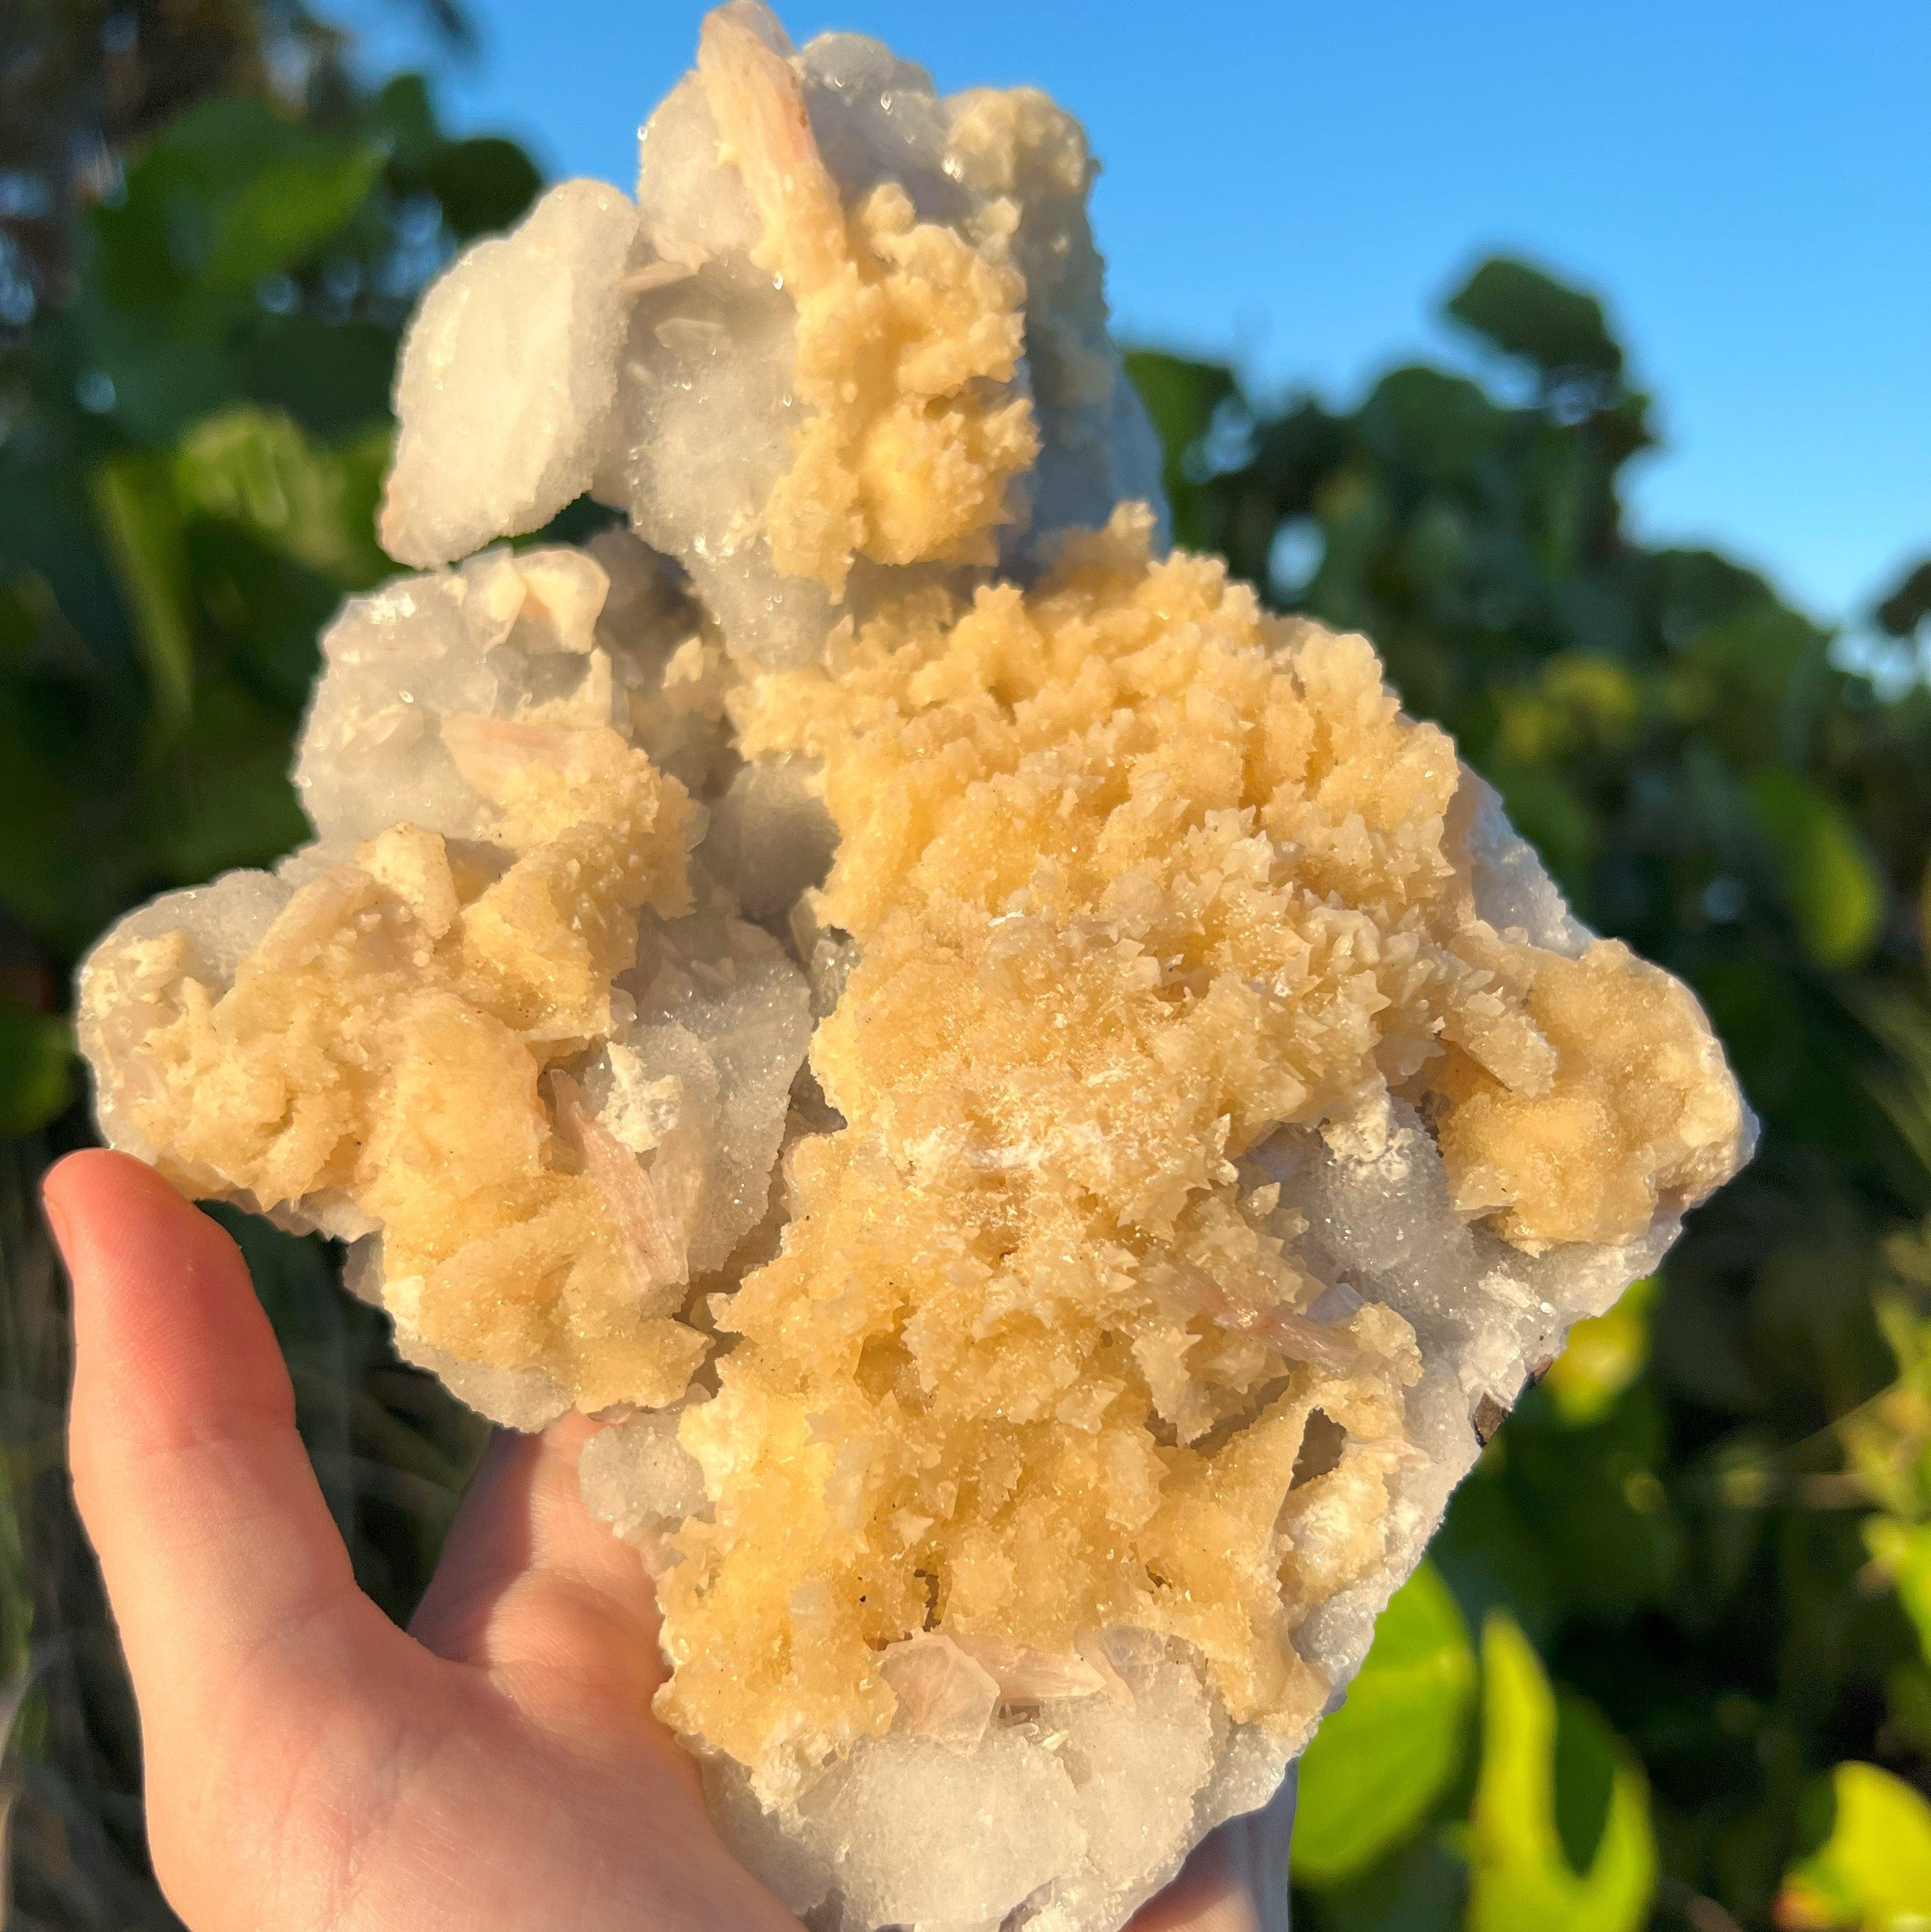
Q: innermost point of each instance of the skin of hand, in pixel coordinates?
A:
(310, 1766)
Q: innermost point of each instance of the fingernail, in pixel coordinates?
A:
(57, 1221)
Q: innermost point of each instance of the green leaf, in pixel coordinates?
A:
(36, 1068)
(1874, 1870)
(140, 523)
(1542, 1765)
(333, 377)
(1909, 601)
(1901, 1083)
(226, 194)
(1603, 1355)
(1589, 1494)
(1907, 1696)
(279, 218)
(403, 117)
(1830, 882)
(311, 503)
(1902, 1550)
(1736, 678)
(1489, 1554)
(484, 184)
(1439, 425)
(1378, 1764)
(1525, 313)
(1183, 397)
(240, 810)
(1423, 1886)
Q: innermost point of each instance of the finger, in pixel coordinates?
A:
(1209, 1895)
(215, 1544)
(1236, 1879)
(524, 1510)
(531, 1587)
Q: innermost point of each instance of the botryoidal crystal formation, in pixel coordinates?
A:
(1044, 1112)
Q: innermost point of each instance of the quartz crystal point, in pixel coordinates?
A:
(1048, 1115)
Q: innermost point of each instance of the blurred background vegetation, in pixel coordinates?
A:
(1670, 1661)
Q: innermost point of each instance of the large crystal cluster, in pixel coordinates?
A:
(1046, 1115)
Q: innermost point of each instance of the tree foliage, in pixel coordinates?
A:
(1669, 1660)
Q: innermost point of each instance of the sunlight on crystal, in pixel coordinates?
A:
(1048, 1115)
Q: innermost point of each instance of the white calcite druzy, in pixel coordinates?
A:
(1048, 1118)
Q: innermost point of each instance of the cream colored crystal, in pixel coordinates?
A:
(907, 336)
(1213, 1113)
(1015, 150)
(385, 1043)
(868, 344)
(1140, 877)
(475, 1049)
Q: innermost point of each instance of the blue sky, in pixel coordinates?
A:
(1295, 186)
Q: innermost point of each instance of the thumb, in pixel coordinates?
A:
(222, 1563)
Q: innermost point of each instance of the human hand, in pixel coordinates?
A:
(308, 1764)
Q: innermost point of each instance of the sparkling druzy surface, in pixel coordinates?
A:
(1038, 1105)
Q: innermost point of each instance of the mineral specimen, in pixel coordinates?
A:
(1043, 1110)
